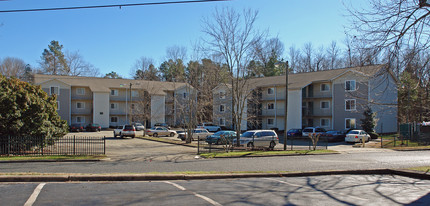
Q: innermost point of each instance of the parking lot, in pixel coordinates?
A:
(136, 149)
(313, 190)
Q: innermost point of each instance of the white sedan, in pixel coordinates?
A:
(357, 136)
(160, 131)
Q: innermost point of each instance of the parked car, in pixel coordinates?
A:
(294, 133)
(199, 134)
(221, 137)
(124, 131)
(256, 138)
(160, 131)
(162, 125)
(138, 126)
(210, 127)
(76, 128)
(357, 136)
(308, 130)
(93, 127)
(334, 136)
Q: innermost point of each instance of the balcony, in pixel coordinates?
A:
(271, 112)
(320, 96)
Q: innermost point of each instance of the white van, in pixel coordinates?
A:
(309, 130)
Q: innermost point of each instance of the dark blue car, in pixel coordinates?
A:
(217, 137)
(294, 133)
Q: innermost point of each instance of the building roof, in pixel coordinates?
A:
(301, 80)
(97, 84)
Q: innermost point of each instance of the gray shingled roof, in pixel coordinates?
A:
(105, 84)
(301, 80)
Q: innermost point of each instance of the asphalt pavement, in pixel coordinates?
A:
(313, 190)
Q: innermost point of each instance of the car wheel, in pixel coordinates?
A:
(132, 136)
(172, 134)
(272, 145)
(114, 135)
(155, 135)
(250, 144)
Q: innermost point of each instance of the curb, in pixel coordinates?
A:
(54, 160)
(159, 177)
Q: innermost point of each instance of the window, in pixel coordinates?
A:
(270, 121)
(132, 106)
(270, 90)
(185, 95)
(58, 105)
(114, 119)
(350, 123)
(350, 105)
(350, 85)
(325, 87)
(325, 105)
(134, 93)
(221, 108)
(114, 105)
(270, 106)
(80, 105)
(54, 90)
(114, 92)
(325, 123)
(80, 91)
(80, 119)
(222, 95)
(221, 122)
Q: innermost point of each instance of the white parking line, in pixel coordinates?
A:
(213, 202)
(33, 196)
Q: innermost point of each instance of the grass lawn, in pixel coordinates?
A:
(422, 169)
(264, 153)
(51, 157)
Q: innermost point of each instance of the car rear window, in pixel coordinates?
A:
(353, 132)
(128, 127)
(308, 130)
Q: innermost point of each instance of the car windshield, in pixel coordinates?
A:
(138, 124)
(354, 132)
(308, 130)
(294, 130)
(248, 134)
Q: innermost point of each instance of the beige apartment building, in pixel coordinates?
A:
(112, 102)
(332, 99)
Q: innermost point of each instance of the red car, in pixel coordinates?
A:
(93, 128)
(76, 128)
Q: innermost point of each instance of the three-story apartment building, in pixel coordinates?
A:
(112, 102)
(332, 99)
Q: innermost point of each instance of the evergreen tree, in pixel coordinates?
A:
(53, 60)
(368, 123)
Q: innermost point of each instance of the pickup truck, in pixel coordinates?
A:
(124, 131)
(210, 127)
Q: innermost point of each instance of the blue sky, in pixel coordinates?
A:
(112, 39)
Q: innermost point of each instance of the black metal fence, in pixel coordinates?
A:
(304, 143)
(67, 145)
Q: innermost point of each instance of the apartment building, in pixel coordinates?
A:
(112, 102)
(332, 99)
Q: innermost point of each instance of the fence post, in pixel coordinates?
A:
(74, 144)
(43, 144)
(104, 145)
(8, 145)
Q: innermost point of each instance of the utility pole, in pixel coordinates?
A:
(131, 111)
(286, 105)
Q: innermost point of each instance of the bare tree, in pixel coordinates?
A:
(294, 55)
(12, 67)
(333, 55)
(308, 51)
(77, 66)
(144, 69)
(176, 52)
(232, 35)
(393, 25)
